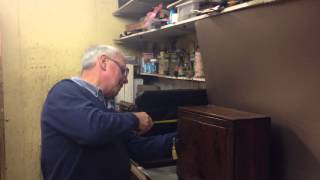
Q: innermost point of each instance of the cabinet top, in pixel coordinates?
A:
(222, 112)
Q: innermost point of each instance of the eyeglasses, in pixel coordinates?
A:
(124, 70)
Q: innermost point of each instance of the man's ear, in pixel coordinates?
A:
(103, 62)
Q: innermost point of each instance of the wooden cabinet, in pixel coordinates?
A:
(217, 143)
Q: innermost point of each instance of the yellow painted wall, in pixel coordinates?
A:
(43, 41)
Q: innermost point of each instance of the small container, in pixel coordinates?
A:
(173, 64)
(173, 17)
(163, 63)
(185, 10)
(154, 66)
(198, 65)
(147, 67)
(145, 60)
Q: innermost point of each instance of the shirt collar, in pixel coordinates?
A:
(96, 91)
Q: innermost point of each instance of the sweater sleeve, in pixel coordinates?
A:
(68, 111)
(150, 147)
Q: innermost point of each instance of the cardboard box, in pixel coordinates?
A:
(139, 26)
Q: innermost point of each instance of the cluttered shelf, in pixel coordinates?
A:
(171, 30)
(138, 7)
(174, 77)
(185, 26)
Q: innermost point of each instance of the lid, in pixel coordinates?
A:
(222, 112)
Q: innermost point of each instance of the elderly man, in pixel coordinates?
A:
(83, 138)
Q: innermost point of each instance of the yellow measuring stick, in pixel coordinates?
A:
(165, 121)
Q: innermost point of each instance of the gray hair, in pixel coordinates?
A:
(91, 54)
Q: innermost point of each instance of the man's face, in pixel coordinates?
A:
(118, 74)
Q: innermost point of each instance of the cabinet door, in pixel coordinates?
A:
(204, 150)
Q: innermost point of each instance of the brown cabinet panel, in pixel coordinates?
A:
(202, 148)
(217, 147)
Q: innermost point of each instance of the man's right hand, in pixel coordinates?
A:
(145, 122)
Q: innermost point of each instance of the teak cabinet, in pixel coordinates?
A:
(217, 143)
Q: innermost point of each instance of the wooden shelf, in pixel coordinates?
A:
(138, 8)
(182, 28)
(172, 30)
(173, 77)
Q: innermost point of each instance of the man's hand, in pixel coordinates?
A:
(145, 122)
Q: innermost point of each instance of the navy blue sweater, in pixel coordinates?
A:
(82, 140)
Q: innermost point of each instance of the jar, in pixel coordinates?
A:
(154, 66)
(173, 64)
(198, 65)
(163, 63)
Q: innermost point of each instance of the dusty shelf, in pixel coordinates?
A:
(138, 8)
(184, 27)
(173, 77)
